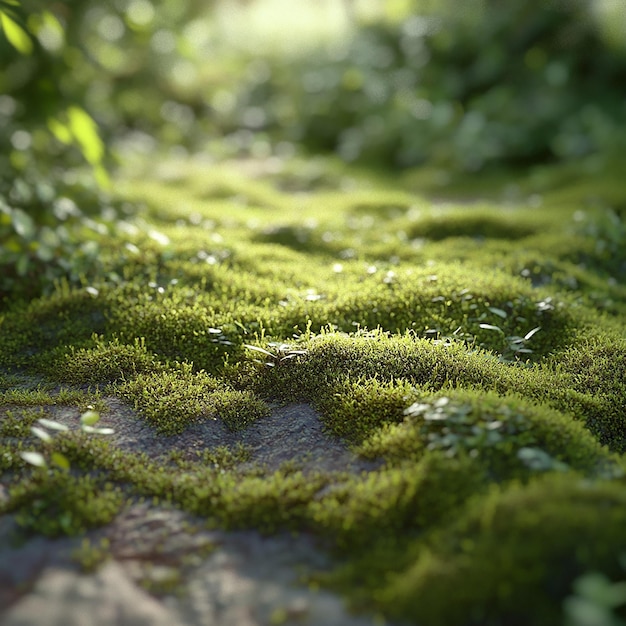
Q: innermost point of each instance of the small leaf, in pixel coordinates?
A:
(15, 34)
(60, 460)
(498, 312)
(490, 327)
(60, 130)
(34, 458)
(42, 434)
(97, 431)
(85, 132)
(530, 333)
(23, 224)
(52, 425)
(89, 418)
(257, 349)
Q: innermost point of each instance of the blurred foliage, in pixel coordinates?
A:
(514, 83)
(418, 81)
(65, 80)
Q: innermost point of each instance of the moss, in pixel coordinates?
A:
(90, 556)
(512, 557)
(460, 345)
(61, 396)
(32, 331)
(58, 503)
(354, 409)
(17, 423)
(512, 438)
(171, 400)
(478, 223)
(434, 365)
(106, 362)
(397, 501)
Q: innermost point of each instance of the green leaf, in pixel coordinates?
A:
(52, 425)
(22, 265)
(85, 132)
(89, 418)
(530, 333)
(23, 224)
(60, 460)
(498, 312)
(98, 431)
(261, 350)
(490, 327)
(60, 131)
(42, 434)
(16, 35)
(34, 458)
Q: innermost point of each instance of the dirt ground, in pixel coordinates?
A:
(166, 567)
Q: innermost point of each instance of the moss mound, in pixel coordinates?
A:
(513, 556)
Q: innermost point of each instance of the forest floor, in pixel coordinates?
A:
(299, 392)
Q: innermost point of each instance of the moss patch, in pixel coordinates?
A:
(474, 351)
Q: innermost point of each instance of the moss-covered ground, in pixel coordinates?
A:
(469, 335)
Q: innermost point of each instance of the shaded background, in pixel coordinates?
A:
(395, 84)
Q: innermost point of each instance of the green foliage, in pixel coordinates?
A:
(595, 601)
(425, 87)
(52, 208)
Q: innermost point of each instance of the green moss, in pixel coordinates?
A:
(512, 557)
(58, 503)
(433, 365)
(91, 556)
(106, 362)
(512, 438)
(397, 501)
(459, 346)
(32, 331)
(354, 409)
(171, 400)
(62, 396)
(17, 423)
(477, 223)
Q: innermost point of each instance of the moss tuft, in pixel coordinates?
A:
(57, 503)
(173, 399)
(106, 362)
(512, 557)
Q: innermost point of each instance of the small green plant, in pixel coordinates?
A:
(278, 353)
(455, 428)
(37, 459)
